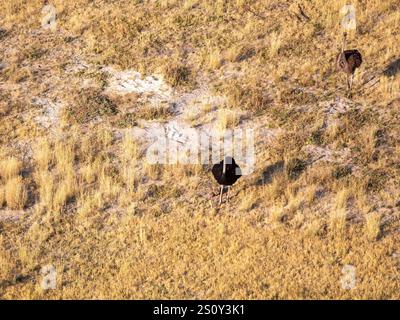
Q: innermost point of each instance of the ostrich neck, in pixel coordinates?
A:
(344, 42)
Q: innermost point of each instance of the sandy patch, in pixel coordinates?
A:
(50, 113)
(153, 88)
(7, 215)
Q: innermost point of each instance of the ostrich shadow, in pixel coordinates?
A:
(270, 171)
(3, 33)
(392, 68)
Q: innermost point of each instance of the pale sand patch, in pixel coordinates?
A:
(50, 113)
(7, 215)
(193, 134)
(153, 87)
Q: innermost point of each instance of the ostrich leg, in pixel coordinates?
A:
(348, 83)
(351, 81)
(220, 195)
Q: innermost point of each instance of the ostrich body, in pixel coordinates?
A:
(348, 61)
(227, 172)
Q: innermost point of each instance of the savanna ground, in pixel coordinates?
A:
(77, 193)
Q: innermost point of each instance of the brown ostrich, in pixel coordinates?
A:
(348, 61)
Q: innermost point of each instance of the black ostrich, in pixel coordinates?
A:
(348, 61)
(227, 172)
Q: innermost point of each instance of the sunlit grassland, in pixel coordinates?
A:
(115, 226)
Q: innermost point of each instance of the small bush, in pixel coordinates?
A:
(153, 112)
(294, 167)
(127, 120)
(248, 97)
(89, 104)
(177, 74)
(341, 172)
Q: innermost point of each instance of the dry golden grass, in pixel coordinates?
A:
(10, 168)
(2, 197)
(45, 183)
(337, 222)
(275, 44)
(227, 119)
(43, 155)
(115, 226)
(65, 191)
(373, 226)
(215, 60)
(6, 260)
(15, 193)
